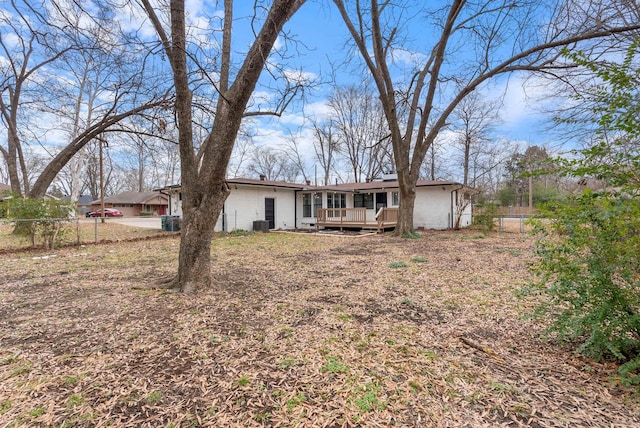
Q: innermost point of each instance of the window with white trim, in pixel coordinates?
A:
(336, 200)
(306, 205)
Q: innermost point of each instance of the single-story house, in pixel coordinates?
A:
(84, 204)
(135, 203)
(371, 205)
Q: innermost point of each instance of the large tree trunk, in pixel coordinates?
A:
(204, 187)
(195, 244)
(407, 186)
(12, 163)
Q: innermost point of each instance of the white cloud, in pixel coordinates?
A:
(403, 56)
(299, 76)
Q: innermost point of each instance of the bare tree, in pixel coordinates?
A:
(71, 68)
(25, 56)
(474, 119)
(204, 164)
(473, 42)
(359, 118)
(326, 146)
(434, 165)
(241, 155)
(116, 87)
(272, 164)
(293, 151)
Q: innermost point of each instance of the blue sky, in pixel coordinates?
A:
(319, 26)
(323, 37)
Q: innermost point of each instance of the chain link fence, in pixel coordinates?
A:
(16, 234)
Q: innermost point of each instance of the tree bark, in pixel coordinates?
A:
(407, 190)
(194, 261)
(204, 187)
(375, 35)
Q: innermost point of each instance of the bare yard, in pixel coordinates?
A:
(300, 330)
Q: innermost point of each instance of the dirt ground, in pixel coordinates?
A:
(299, 331)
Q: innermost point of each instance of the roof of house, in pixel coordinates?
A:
(85, 200)
(131, 198)
(251, 181)
(265, 183)
(375, 185)
(344, 187)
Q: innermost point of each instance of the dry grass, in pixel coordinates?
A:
(83, 231)
(299, 330)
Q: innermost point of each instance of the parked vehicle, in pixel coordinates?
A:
(108, 212)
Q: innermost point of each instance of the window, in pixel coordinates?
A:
(317, 202)
(363, 200)
(336, 200)
(306, 205)
(395, 198)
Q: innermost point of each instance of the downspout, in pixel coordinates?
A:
(224, 222)
(295, 209)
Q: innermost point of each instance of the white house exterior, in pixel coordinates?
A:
(294, 206)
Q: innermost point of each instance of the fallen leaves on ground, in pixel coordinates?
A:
(298, 330)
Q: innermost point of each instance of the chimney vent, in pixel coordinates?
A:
(262, 177)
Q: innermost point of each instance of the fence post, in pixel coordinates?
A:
(521, 223)
(95, 230)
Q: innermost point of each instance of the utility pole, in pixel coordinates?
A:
(101, 141)
(530, 185)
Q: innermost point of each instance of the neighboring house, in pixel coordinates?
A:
(371, 205)
(135, 203)
(84, 204)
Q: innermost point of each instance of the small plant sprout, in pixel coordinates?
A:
(396, 265)
(367, 398)
(154, 397)
(419, 259)
(242, 381)
(75, 400)
(287, 363)
(334, 365)
(297, 400)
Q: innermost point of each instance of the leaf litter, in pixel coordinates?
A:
(298, 330)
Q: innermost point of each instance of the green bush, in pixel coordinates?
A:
(588, 246)
(484, 217)
(589, 269)
(43, 219)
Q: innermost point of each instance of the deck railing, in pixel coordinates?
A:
(386, 216)
(357, 217)
(342, 215)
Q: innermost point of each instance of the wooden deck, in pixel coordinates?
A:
(356, 218)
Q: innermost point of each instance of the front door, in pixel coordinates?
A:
(270, 212)
(381, 200)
